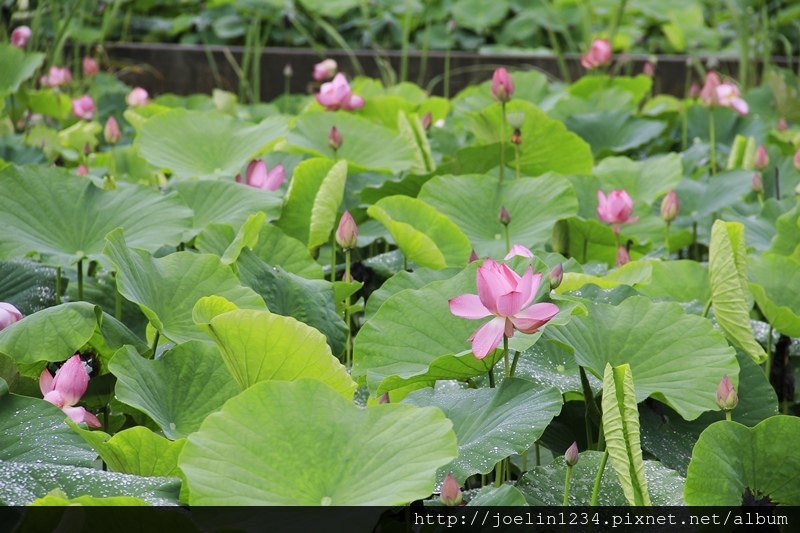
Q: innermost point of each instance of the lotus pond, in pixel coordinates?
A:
(529, 294)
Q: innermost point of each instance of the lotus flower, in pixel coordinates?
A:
(338, 94)
(111, 132)
(325, 70)
(504, 216)
(258, 176)
(288, 71)
(502, 85)
(556, 276)
(670, 206)
(90, 67)
(599, 54)
(83, 107)
(518, 250)
(451, 491)
(727, 398)
(761, 159)
(571, 455)
(334, 139)
(20, 36)
(616, 209)
(623, 256)
(427, 120)
(347, 232)
(782, 124)
(137, 97)
(66, 388)
(708, 94)
(756, 183)
(649, 69)
(56, 76)
(8, 315)
(507, 296)
(81, 170)
(728, 95)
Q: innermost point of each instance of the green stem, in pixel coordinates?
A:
(498, 473)
(58, 286)
(684, 128)
(333, 256)
(538, 454)
(525, 461)
(707, 307)
(566, 485)
(768, 366)
(502, 141)
(349, 352)
(406, 36)
(666, 239)
(598, 479)
(508, 239)
(491, 378)
(505, 356)
(155, 343)
(761, 199)
(728, 416)
(695, 244)
(514, 362)
(713, 141)
(287, 91)
(516, 158)
(113, 165)
(615, 22)
(117, 304)
(80, 279)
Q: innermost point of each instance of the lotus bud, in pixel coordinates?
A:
(90, 67)
(516, 137)
(287, 71)
(694, 90)
(71, 381)
(623, 256)
(571, 455)
(504, 216)
(556, 275)
(111, 132)
(649, 69)
(756, 183)
(334, 139)
(451, 26)
(708, 94)
(761, 159)
(796, 160)
(727, 398)
(516, 119)
(384, 398)
(782, 125)
(84, 107)
(670, 206)
(20, 36)
(599, 54)
(472, 257)
(427, 120)
(502, 85)
(8, 315)
(451, 491)
(137, 97)
(325, 70)
(347, 232)
(81, 170)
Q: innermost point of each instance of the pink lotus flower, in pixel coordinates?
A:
(507, 296)
(325, 70)
(347, 232)
(694, 90)
(756, 183)
(571, 455)
(616, 209)
(728, 95)
(83, 107)
(451, 491)
(473, 256)
(338, 94)
(502, 85)
(8, 315)
(649, 69)
(81, 170)
(518, 250)
(670, 206)
(258, 176)
(111, 132)
(20, 36)
(761, 159)
(782, 124)
(623, 256)
(708, 94)
(56, 76)
(90, 67)
(137, 97)
(727, 398)
(66, 388)
(334, 139)
(599, 54)
(556, 276)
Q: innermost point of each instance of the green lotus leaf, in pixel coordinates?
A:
(615, 132)
(776, 288)
(29, 286)
(16, 66)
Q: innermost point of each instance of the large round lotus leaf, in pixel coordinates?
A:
(28, 285)
(204, 144)
(614, 132)
(65, 217)
(777, 295)
(734, 465)
(676, 358)
(177, 390)
(552, 195)
(302, 443)
(166, 289)
(16, 66)
(491, 424)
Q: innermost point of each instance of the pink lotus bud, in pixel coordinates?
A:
(756, 184)
(334, 139)
(90, 67)
(325, 70)
(649, 69)
(337, 94)
(472, 257)
(56, 76)
(694, 90)
(782, 125)
(728, 95)
(571, 455)
(384, 398)
(502, 85)
(504, 216)
(599, 54)
(727, 398)
(258, 176)
(556, 275)
(83, 107)
(8, 315)
(623, 257)
(111, 132)
(708, 94)
(70, 381)
(451, 491)
(761, 159)
(288, 72)
(796, 160)
(20, 36)
(670, 206)
(347, 232)
(427, 120)
(616, 209)
(82, 170)
(518, 250)
(137, 97)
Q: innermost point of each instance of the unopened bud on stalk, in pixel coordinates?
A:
(670, 206)
(288, 71)
(727, 398)
(694, 90)
(761, 158)
(571, 455)
(451, 491)
(427, 120)
(111, 132)
(347, 232)
(504, 216)
(757, 184)
(334, 139)
(556, 275)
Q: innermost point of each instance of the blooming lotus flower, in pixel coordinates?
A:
(727, 398)
(8, 315)
(56, 76)
(507, 296)
(137, 97)
(347, 232)
(670, 206)
(90, 66)
(337, 94)
(111, 132)
(623, 256)
(518, 250)
(451, 491)
(728, 95)
(616, 209)
(66, 388)
(571, 455)
(599, 54)
(502, 85)
(83, 107)
(708, 94)
(325, 70)
(761, 159)
(20, 36)
(258, 176)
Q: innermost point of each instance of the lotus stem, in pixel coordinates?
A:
(58, 286)
(505, 349)
(666, 239)
(516, 158)
(498, 473)
(333, 256)
(349, 346)
(155, 343)
(768, 365)
(566, 485)
(502, 141)
(728, 416)
(598, 479)
(713, 141)
(514, 362)
(80, 279)
(447, 71)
